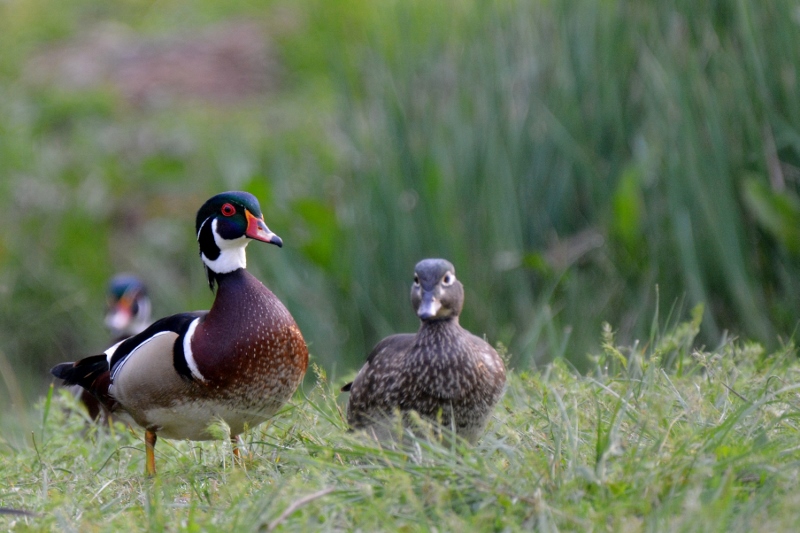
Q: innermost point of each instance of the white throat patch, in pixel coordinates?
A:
(231, 252)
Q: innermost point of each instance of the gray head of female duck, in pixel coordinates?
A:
(436, 293)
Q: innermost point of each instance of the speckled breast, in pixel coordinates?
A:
(249, 349)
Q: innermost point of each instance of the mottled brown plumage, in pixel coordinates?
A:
(444, 373)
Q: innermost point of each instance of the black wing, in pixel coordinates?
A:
(94, 373)
(177, 324)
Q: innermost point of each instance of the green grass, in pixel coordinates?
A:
(654, 438)
(580, 162)
(568, 157)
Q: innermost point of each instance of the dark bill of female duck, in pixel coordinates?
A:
(434, 289)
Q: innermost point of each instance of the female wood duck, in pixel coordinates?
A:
(127, 313)
(239, 362)
(443, 372)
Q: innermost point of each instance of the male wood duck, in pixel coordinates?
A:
(239, 362)
(443, 372)
(128, 307)
(127, 313)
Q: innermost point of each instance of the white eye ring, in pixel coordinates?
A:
(416, 280)
(448, 279)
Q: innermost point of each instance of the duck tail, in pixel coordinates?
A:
(91, 373)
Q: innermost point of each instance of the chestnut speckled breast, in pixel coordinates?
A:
(264, 356)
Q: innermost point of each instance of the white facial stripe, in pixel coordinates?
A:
(187, 350)
(133, 352)
(201, 227)
(232, 253)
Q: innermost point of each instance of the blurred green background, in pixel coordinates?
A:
(578, 161)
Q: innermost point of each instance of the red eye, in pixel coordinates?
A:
(228, 210)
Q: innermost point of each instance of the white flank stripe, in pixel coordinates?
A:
(110, 352)
(187, 350)
(127, 357)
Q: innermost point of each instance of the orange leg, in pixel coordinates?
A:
(150, 447)
(235, 445)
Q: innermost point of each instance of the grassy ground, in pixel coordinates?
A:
(569, 157)
(655, 438)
